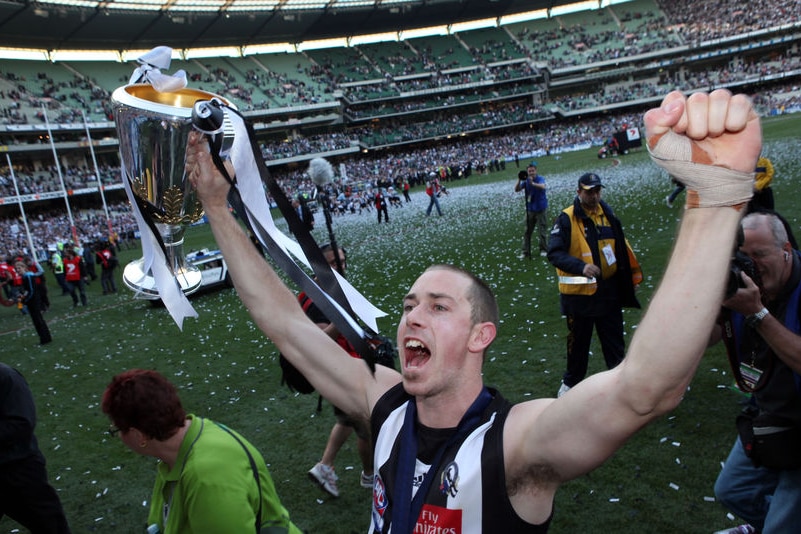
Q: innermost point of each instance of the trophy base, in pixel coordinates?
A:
(143, 284)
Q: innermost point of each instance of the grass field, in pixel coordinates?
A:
(227, 370)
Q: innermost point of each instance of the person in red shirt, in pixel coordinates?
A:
(7, 275)
(73, 274)
(108, 262)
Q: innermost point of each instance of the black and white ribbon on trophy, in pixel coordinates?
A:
(341, 303)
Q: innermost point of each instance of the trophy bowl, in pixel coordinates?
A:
(153, 128)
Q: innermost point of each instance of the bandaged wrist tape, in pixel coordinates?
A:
(708, 186)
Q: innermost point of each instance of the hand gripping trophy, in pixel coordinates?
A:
(153, 115)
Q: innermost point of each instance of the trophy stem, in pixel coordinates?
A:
(188, 276)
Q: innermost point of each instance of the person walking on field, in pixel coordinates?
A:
(381, 204)
(209, 478)
(534, 187)
(31, 297)
(323, 472)
(433, 191)
(108, 262)
(73, 274)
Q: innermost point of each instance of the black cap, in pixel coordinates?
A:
(589, 181)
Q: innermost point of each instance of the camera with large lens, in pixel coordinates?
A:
(741, 263)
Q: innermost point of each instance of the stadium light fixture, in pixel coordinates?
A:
(73, 3)
(304, 4)
(322, 43)
(133, 55)
(524, 17)
(423, 32)
(473, 25)
(587, 5)
(253, 5)
(199, 6)
(272, 48)
(373, 38)
(216, 51)
(85, 55)
(135, 5)
(24, 53)
(352, 3)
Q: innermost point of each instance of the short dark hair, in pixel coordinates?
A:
(145, 400)
(484, 306)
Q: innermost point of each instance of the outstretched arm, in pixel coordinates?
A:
(344, 381)
(579, 431)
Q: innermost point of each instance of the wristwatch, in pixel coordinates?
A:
(753, 320)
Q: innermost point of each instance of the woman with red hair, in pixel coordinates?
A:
(210, 478)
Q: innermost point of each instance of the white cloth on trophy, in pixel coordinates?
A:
(149, 71)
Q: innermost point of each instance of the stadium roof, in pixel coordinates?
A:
(141, 24)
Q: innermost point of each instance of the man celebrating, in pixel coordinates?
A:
(536, 208)
(596, 278)
(453, 454)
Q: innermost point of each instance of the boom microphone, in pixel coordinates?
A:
(321, 171)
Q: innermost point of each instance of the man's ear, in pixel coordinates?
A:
(483, 334)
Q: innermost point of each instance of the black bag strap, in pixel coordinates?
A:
(253, 467)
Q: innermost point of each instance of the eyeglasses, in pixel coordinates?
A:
(113, 431)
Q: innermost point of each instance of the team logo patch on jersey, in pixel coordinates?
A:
(448, 484)
(379, 503)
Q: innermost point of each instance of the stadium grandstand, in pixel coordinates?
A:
(460, 84)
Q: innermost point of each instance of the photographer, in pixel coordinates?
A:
(761, 479)
(536, 208)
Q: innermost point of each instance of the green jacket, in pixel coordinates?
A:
(211, 487)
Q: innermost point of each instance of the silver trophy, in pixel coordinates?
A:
(153, 128)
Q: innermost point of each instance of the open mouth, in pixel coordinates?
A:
(416, 354)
